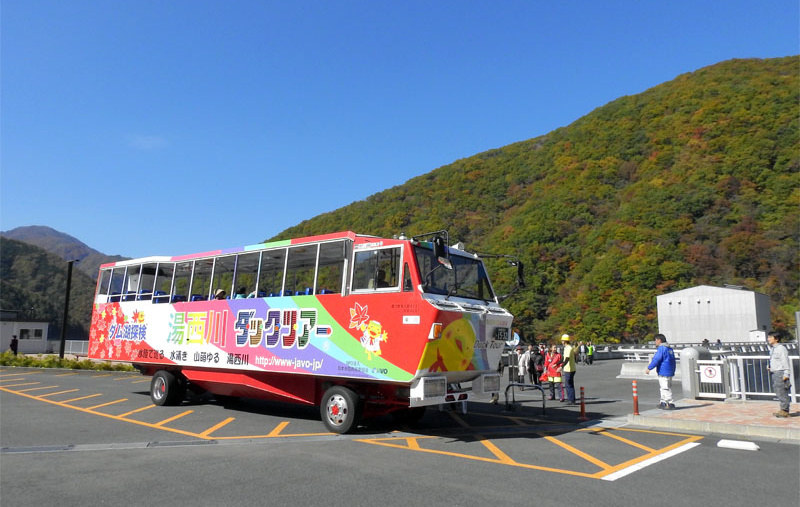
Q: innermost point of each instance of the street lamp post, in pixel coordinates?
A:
(66, 309)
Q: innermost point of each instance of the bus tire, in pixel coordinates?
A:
(167, 389)
(339, 409)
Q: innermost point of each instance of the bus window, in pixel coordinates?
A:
(300, 270)
(408, 285)
(270, 278)
(183, 277)
(131, 283)
(115, 288)
(331, 268)
(245, 276)
(467, 278)
(163, 282)
(146, 281)
(201, 279)
(223, 274)
(102, 286)
(376, 269)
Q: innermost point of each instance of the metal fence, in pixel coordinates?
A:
(76, 347)
(744, 377)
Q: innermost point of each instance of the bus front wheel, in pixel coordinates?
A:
(167, 389)
(339, 409)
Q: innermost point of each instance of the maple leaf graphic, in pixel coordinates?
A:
(358, 316)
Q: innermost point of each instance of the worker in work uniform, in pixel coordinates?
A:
(664, 364)
(569, 368)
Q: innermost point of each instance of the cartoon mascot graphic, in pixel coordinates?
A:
(372, 331)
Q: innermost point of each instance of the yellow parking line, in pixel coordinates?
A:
(81, 398)
(66, 374)
(101, 376)
(510, 462)
(622, 466)
(602, 431)
(59, 392)
(214, 428)
(146, 407)
(20, 385)
(35, 389)
(14, 373)
(503, 457)
(278, 429)
(577, 452)
(107, 404)
(165, 421)
(140, 381)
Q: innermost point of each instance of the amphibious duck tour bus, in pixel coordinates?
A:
(358, 325)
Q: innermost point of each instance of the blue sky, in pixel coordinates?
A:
(169, 127)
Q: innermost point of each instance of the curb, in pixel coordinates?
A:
(715, 427)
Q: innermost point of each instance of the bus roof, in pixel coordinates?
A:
(258, 246)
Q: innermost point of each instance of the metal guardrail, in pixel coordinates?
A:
(744, 377)
(646, 353)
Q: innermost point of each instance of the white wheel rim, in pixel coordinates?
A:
(336, 408)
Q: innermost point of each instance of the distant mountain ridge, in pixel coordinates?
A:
(63, 245)
(33, 282)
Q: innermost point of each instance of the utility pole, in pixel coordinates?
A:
(66, 309)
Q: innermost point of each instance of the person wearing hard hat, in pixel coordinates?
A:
(568, 370)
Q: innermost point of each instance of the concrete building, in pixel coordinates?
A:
(31, 334)
(729, 314)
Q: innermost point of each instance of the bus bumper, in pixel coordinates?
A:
(427, 391)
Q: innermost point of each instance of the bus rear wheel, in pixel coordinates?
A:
(166, 389)
(339, 409)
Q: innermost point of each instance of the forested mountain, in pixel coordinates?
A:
(694, 181)
(63, 245)
(33, 282)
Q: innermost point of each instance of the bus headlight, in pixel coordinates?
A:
(429, 387)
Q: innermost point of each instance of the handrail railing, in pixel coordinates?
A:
(521, 385)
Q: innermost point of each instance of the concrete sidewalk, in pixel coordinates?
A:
(733, 417)
(609, 399)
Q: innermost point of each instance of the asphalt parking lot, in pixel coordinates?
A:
(84, 419)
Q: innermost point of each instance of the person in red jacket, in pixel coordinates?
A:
(552, 367)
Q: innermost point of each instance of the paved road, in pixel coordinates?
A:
(90, 438)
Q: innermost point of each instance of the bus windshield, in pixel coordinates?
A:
(467, 279)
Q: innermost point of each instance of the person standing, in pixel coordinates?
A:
(538, 366)
(569, 368)
(552, 366)
(779, 371)
(14, 344)
(664, 363)
(522, 364)
(590, 351)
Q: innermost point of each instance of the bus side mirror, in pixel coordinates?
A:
(439, 248)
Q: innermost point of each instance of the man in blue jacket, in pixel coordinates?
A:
(664, 364)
